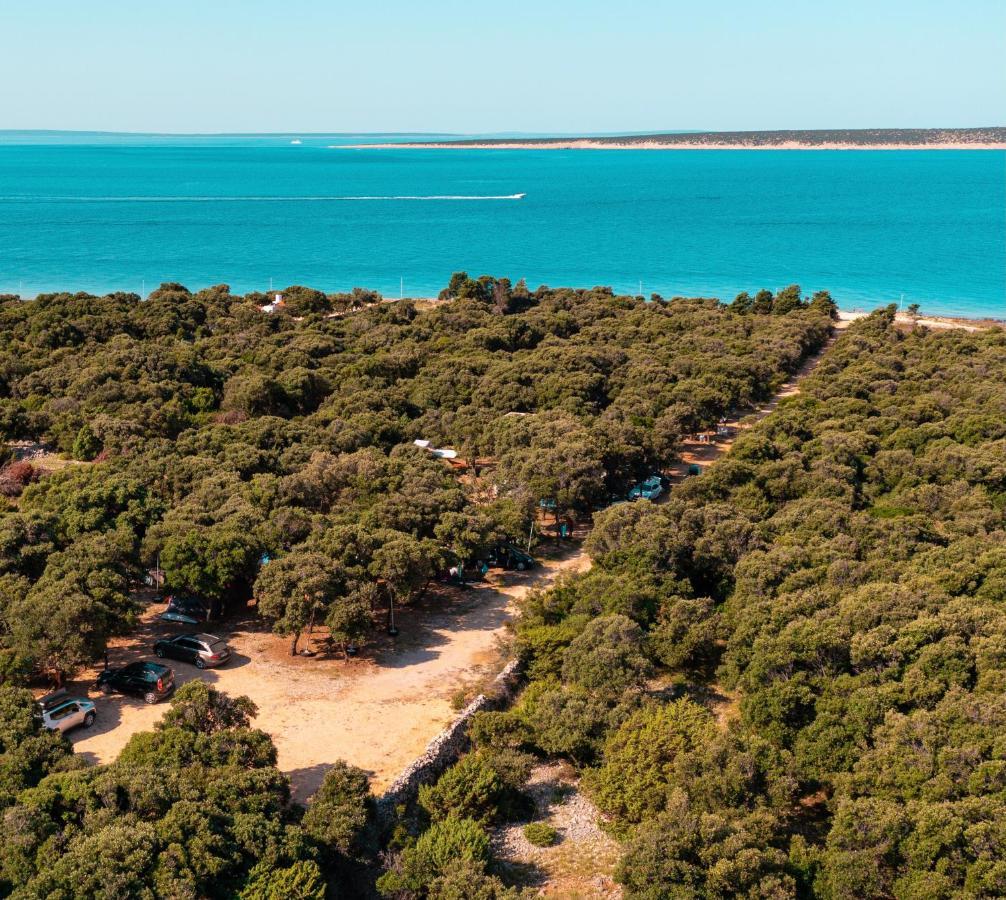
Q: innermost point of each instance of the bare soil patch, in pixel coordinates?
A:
(377, 713)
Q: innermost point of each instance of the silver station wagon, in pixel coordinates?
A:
(59, 711)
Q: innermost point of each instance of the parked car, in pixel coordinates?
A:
(509, 557)
(186, 610)
(149, 680)
(61, 711)
(202, 650)
(649, 489)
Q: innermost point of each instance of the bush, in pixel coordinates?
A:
(685, 633)
(471, 790)
(640, 758)
(466, 880)
(681, 854)
(340, 815)
(438, 850)
(607, 658)
(566, 721)
(16, 476)
(301, 881)
(498, 729)
(198, 707)
(86, 445)
(541, 834)
(544, 645)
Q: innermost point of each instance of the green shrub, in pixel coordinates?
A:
(86, 445)
(466, 880)
(454, 838)
(471, 790)
(541, 834)
(685, 632)
(340, 815)
(682, 854)
(566, 721)
(607, 657)
(640, 758)
(438, 850)
(544, 645)
(301, 881)
(498, 729)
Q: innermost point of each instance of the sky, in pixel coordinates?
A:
(535, 66)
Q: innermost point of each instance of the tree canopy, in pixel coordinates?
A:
(837, 581)
(272, 457)
(214, 436)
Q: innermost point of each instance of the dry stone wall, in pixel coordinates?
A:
(447, 747)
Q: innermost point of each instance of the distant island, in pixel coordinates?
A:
(993, 138)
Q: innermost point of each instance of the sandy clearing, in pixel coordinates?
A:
(903, 318)
(378, 714)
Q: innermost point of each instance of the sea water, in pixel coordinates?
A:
(106, 212)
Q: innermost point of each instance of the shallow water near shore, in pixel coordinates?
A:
(118, 213)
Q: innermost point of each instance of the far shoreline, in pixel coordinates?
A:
(982, 138)
(964, 323)
(587, 144)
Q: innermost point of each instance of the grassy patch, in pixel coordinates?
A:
(541, 834)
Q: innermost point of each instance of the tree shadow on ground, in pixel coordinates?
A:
(304, 783)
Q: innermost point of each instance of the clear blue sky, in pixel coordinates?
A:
(520, 65)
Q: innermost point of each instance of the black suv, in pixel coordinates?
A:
(509, 557)
(149, 680)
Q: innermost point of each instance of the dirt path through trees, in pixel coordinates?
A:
(704, 453)
(583, 862)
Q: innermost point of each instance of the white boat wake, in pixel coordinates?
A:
(334, 199)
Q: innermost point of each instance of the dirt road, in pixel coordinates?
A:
(704, 453)
(378, 714)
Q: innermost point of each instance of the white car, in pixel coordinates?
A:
(60, 711)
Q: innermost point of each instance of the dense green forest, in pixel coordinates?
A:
(215, 434)
(785, 681)
(270, 455)
(788, 680)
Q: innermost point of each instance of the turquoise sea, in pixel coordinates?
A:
(106, 212)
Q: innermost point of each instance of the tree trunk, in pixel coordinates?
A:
(293, 645)
(310, 626)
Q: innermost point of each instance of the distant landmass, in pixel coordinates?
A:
(991, 138)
